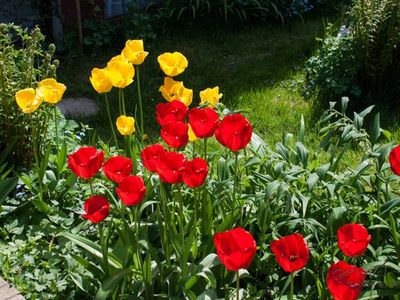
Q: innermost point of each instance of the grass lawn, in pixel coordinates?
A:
(258, 69)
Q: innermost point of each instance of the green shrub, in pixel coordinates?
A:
(331, 72)
(363, 59)
(23, 62)
(243, 10)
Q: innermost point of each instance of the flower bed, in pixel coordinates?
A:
(210, 211)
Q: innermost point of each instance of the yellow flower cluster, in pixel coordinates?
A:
(120, 73)
(48, 90)
(173, 64)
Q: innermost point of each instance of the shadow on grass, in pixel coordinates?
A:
(255, 66)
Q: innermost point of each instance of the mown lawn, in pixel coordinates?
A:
(259, 69)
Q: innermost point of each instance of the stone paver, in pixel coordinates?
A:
(78, 107)
(7, 292)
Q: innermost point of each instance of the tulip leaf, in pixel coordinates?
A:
(210, 261)
(381, 264)
(109, 284)
(387, 207)
(7, 186)
(92, 248)
(302, 129)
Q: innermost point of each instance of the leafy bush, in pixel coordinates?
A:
(331, 72)
(363, 59)
(236, 9)
(23, 62)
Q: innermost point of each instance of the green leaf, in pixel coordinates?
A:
(6, 187)
(211, 260)
(91, 247)
(376, 129)
(302, 129)
(381, 264)
(387, 206)
(344, 102)
(110, 283)
(62, 158)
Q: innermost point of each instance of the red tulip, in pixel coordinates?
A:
(203, 121)
(195, 172)
(117, 168)
(394, 159)
(175, 134)
(170, 167)
(86, 162)
(235, 248)
(97, 209)
(345, 281)
(151, 156)
(174, 111)
(234, 132)
(291, 252)
(131, 190)
(353, 239)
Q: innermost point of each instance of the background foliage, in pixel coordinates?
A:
(23, 62)
(362, 57)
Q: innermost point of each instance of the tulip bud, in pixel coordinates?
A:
(52, 49)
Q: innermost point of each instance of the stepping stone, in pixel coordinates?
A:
(78, 107)
(7, 292)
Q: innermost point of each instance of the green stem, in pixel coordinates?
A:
(235, 182)
(205, 148)
(141, 129)
(181, 225)
(291, 286)
(104, 250)
(137, 225)
(91, 186)
(36, 157)
(193, 149)
(237, 286)
(123, 101)
(110, 120)
(56, 126)
(378, 204)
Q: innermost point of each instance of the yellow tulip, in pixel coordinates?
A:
(175, 90)
(51, 90)
(170, 89)
(210, 96)
(172, 64)
(28, 100)
(185, 96)
(100, 80)
(191, 134)
(125, 125)
(134, 51)
(120, 71)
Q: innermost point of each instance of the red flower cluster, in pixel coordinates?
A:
(345, 281)
(97, 209)
(131, 190)
(394, 159)
(353, 239)
(174, 111)
(172, 167)
(235, 248)
(233, 132)
(86, 162)
(203, 121)
(117, 168)
(291, 252)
